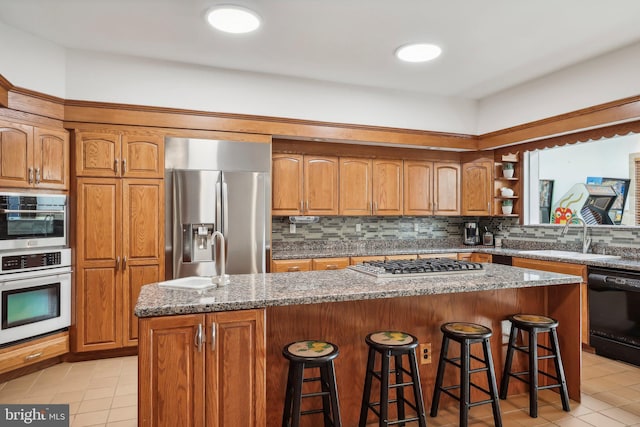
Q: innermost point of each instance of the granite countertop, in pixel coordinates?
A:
(247, 291)
(328, 252)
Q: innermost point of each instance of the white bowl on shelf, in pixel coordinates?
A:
(506, 192)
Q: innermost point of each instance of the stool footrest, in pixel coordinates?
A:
(311, 379)
(544, 387)
(315, 394)
(312, 411)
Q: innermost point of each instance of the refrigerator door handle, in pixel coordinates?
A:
(219, 219)
(225, 209)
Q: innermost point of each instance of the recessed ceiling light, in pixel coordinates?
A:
(418, 52)
(233, 19)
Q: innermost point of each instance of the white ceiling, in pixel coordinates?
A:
(488, 45)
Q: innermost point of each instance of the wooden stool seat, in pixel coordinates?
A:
(392, 345)
(466, 334)
(305, 355)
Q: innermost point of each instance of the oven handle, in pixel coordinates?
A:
(602, 282)
(36, 211)
(37, 275)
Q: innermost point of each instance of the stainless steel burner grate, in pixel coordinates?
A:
(417, 268)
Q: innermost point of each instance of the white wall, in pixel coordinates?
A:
(31, 62)
(40, 65)
(606, 78)
(122, 79)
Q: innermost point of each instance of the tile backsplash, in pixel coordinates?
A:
(449, 229)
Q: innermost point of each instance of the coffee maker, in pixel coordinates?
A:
(471, 233)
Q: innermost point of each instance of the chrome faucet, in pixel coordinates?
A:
(222, 278)
(585, 241)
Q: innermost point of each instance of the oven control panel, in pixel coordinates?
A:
(28, 261)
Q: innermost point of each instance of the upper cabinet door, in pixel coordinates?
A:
(287, 178)
(320, 185)
(16, 155)
(387, 187)
(51, 159)
(418, 187)
(476, 188)
(97, 154)
(142, 155)
(355, 186)
(446, 189)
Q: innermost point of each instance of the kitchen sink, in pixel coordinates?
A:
(568, 254)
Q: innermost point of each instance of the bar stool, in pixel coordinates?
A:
(466, 334)
(392, 344)
(311, 354)
(534, 324)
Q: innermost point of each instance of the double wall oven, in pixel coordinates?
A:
(35, 266)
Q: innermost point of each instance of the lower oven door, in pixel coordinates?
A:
(34, 306)
(614, 313)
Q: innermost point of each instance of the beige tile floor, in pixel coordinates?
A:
(104, 393)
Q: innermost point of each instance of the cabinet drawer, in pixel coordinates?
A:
(452, 255)
(399, 257)
(360, 259)
(478, 257)
(33, 351)
(330, 263)
(290, 265)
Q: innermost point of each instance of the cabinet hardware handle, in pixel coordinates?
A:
(117, 263)
(301, 206)
(124, 263)
(332, 267)
(124, 166)
(213, 336)
(488, 207)
(375, 207)
(371, 207)
(307, 209)
(30, 175)
(198, 338)
(435, 206)
(33, 356)
(293, 268)
(115, 166)
(37, 175)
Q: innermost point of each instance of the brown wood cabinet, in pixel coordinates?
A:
(481, 257)
(329, 263)
(290, 265)
(371, 187)
(119, 154)
(30, 352)
(304, 185)
(119, 248)
(203, 370)
(33, 157)
(477, 185)
(431, 188)
(564, 268)
(513, 182)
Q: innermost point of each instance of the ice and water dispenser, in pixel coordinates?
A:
(197, 242)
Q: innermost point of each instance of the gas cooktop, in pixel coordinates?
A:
(417, 268)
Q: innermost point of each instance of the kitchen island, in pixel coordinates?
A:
(214, 357)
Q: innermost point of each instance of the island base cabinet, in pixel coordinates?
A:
(202, 370)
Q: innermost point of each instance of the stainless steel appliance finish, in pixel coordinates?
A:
(35, 293)
(417, 268)
(471, 233)
(614, 313)
(216, 186)
(29, 220)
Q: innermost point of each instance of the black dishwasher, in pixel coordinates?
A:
(614, 313)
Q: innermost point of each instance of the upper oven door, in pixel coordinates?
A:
(32, 220)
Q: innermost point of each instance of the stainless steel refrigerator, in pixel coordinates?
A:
(215, 185)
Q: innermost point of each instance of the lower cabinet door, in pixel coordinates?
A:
(202, 370)
(236, 372)
(171, 372)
